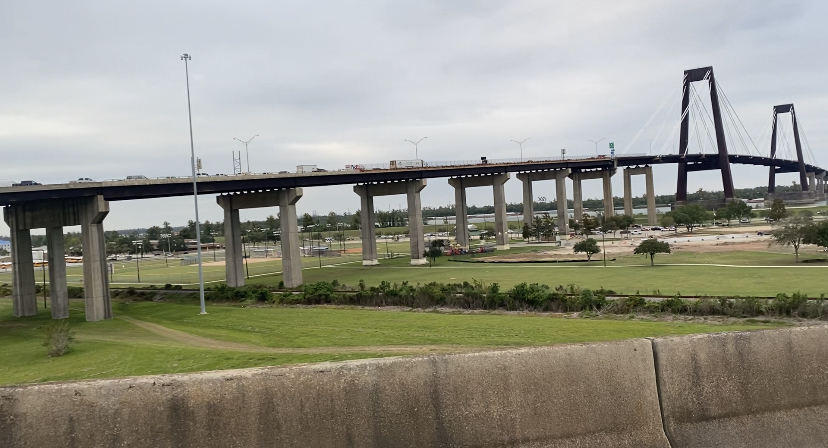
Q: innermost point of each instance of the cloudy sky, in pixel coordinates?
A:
(97, 89)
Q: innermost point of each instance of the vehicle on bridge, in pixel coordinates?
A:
(25, 183)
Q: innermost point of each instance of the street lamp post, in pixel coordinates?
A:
(416, 149)
(135, 244)
(186, 57)
(596, 144)
(246, 152)
(520, 143)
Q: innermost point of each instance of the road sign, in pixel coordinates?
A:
(612, 145)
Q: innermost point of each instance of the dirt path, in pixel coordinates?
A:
(214, 344)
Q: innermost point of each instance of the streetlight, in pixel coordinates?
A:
(520, 143)
(596, 144)
(247, 154)
(135, 244)
(167, 236)
(186, 57)
(416, 152)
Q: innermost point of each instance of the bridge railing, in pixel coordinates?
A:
(455, 163)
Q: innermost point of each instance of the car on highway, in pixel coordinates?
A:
(25, 183)
(81, 180)
(136, 177)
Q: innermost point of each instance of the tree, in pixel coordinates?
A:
(307, 222)
(356, 221)
(527, 231)
(818, 235)
(574, 225)
(667, 221)
(588, 246)
(725, 213)
(624, 221)
(737, 209)
(154, 233)
(777, 210)
(689, 216)
(652, 247)
(434, 251)
(588, 224)
(793, 232)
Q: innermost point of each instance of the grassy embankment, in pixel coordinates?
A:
(235, 337)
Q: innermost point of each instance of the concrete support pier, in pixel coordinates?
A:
(58, 289)
(291, 255)
(53, 215)
(24, 299)
(95, 272)
(501, 224)
(811, 181)
(578, 202)
(609, 206)
(234, 252)
(647, 171)
(559, 176)
(416, 234)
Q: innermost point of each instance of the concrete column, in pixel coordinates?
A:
(528, 202)
(501, 222)
(233, 249)
(652, 217)
(563, 214)
(58, 291)
(461, 216)
(95, 275)
(577, 200)
(416, 235)
(822, 183)
(811, 181)
(291, 255)
(628, 205)
(609, 207)
(367, 220)
(24, 299)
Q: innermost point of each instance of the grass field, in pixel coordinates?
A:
(154, 338)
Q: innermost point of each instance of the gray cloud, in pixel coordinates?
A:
(94, 88)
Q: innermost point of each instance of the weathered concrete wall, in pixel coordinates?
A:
(565, 396)
(745, 389)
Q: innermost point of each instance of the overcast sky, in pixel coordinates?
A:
(97, 88)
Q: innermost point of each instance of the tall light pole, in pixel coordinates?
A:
(186, 57)
(596, 144)
(246, 152)
(416, 151)
(520, 143)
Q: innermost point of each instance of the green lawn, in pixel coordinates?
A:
(730, 273)
(117, 347)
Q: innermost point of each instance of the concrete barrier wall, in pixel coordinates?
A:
(564, 396)
(745, 389)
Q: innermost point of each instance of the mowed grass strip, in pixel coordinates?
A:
(117, 348)
(738, 273)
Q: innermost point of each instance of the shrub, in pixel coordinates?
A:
(168, 286)
(319, 292)
(75, 292)
(58, 336)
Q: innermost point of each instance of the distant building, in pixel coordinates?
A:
(755, 203)
(5, 245)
